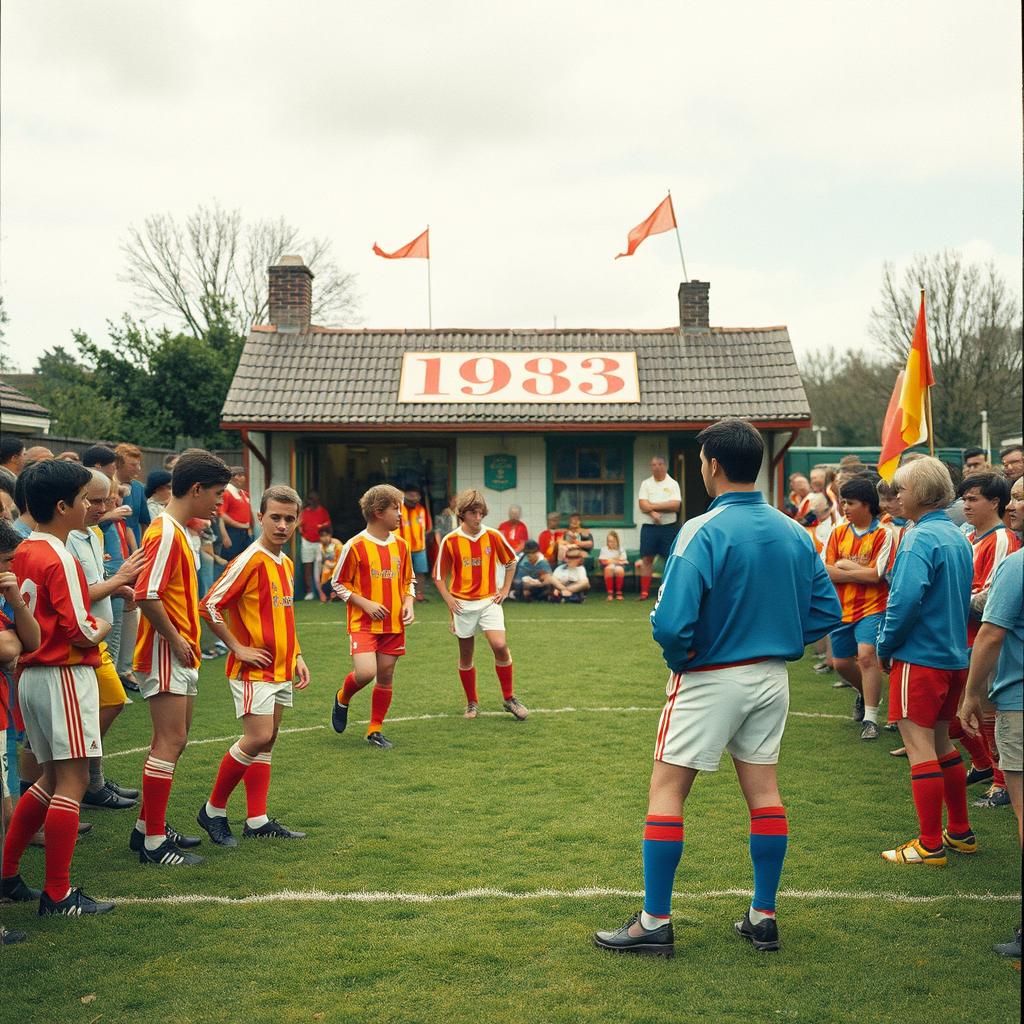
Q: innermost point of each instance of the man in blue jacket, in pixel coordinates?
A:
(924, 637)
(743, 593)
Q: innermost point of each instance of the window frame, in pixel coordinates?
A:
(624, 443)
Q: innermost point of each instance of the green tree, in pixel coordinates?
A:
(6, 366)
(848, 393)
(77, 405)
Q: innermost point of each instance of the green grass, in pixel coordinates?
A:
(555, 803)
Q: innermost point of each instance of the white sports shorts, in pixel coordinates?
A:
(259, 698)
(741, 709)
(478, 617)
(168, 675)
(61, 708)
(309, 550)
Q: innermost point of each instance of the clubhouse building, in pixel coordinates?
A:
(559, 419)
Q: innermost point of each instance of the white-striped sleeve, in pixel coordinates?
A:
(336, 585)
(157, 571)
(220, 590)
(882, 563)
(79, 602)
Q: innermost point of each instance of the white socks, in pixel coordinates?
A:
(648, 922)
(258, 821)
(871, 714)
(216, 812)
(756, 916)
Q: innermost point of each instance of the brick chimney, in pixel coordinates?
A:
(693, 306)
(291, 295)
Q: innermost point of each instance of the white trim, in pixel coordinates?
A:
(74, 585)
(163, 551)
(227, 579)
(589, 893)
(692, 526)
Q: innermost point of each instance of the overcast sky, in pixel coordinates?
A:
(804, 142)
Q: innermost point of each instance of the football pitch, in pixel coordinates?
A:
(459, 876)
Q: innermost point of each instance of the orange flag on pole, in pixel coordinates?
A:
(417, 249)
(908, 418)
(663, 219)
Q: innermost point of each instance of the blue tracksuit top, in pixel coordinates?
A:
(743, 582)
(929, 597)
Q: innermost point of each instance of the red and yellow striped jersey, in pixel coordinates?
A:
(168, 576)
(53, 586)
(378, 570)
(871, 548)
(472, 563)
(989, 550)
(415, 526)
(254, 596)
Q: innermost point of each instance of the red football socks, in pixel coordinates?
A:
(157, 777)
(974, 745)
(988, 731)
(61, 830)
(232, 770)
(954, 782)
(257, 786)
(927, 783)
(27, 820)
(380, 701)
(505, 678)
(645, 586)
(349, 689)
(467, 676)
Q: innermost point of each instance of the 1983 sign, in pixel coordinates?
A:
(592, 377)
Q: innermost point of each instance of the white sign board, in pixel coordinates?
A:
(551, 377)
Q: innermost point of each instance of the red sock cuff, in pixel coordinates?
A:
(665, 828)
(926, 770)
(769, 821)
(950, 759)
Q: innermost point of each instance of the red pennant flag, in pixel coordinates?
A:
(663, 219)
(417, 249)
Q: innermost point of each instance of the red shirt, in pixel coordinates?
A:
(310, 521)
(515, 533)
(990, 548)
(548, 543)
(235, 505)
(54, 588)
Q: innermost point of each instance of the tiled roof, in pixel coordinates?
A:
(14, 401)
(351, 377)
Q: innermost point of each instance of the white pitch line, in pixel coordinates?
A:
(320, 896)
(444, 714)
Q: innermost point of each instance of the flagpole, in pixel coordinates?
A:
(679, 240)
(928, 400)
(430, 299)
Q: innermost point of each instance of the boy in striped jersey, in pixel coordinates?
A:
(250, 609)
(466, 574)
(857, 559)
(167, 653)
(416, 524)
(985, 497)
(374, 578)
(57, 689)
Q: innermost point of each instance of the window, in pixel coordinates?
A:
(592, 477)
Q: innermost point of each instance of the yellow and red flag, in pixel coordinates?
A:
(417, 249)
(663, 219)
(906, 420)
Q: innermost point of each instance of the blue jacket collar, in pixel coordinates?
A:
(738, 498)
(936, 513)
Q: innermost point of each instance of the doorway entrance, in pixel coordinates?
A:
(343, 470)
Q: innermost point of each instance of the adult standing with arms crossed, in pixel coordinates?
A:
(660, 505)
(744, 592)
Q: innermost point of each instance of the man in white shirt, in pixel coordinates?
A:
(660, 504)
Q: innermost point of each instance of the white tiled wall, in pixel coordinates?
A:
(530, 491)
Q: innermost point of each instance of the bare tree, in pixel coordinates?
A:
(974, 336)
(212, 267)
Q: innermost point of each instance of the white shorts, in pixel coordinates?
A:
(741, 709)
(259, 698)
(478, 616)
(61, 708)
(167, 674)
(309, 550)
(1010, 740)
